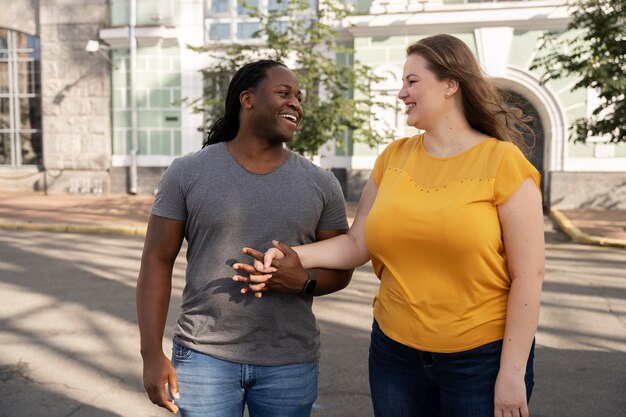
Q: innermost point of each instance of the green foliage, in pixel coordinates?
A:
(593, 49)
(337, 96)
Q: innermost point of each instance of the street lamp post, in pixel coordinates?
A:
(134, 142)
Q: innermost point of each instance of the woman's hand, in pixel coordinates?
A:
(510, 395)
(277, 252)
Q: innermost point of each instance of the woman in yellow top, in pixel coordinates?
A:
(452, 221)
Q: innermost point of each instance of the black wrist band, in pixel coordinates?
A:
(309, 285)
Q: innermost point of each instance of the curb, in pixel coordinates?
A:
(75, 228)
(578, 236)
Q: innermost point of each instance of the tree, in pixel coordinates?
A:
(337, 97)
(594, 49)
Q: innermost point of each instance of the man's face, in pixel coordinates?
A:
(276, 105)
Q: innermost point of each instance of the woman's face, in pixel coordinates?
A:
(423, 94)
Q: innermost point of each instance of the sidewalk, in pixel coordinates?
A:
(128, 215)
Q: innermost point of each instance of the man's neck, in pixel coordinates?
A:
(256, 155)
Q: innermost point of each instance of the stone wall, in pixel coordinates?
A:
(20, 15)
(594, 190)
(147, 179)
(75, 96)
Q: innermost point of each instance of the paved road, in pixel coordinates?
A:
(69, 341)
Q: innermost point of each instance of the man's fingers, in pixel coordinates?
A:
(172, 385)
(253, 288)
(282, 247)
(253, 269)
(170, 406)
(159, 397)
(254, 253)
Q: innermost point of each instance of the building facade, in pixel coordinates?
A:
(94, 99)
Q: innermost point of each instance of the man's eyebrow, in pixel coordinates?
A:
(289, 87)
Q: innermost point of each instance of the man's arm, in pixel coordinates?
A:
(154, 286)
(289, 275)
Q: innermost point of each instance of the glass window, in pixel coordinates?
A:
(280, 26)
(219, 31)
(20, 99)
(242, 10)
(246, 30)
(219, 6)
(156, 111)
(279, 5)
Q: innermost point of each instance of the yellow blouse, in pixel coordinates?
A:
(436, 244)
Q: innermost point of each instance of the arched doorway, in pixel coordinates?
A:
(536, 145)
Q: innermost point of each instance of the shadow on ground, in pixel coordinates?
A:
(70, 344)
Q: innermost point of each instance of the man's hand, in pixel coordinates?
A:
(157, 373)
(279, 269)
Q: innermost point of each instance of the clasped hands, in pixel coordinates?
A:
(279, 269)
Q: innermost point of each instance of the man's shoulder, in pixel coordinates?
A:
(305, 170)
(201, 156)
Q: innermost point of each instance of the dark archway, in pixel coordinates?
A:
(536, 145)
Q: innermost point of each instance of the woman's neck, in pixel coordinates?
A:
(451, 136)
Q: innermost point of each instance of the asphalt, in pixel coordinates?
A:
(69, 339)
(128, 215)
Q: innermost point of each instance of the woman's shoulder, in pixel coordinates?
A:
(402, 144)
(501, 148)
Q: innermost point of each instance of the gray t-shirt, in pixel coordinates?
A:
(226, 208)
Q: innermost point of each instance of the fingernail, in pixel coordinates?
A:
(177, 395)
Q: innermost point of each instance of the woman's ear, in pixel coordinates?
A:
(452, 86)
(246, 98)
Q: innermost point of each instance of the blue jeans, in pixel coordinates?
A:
(211, 387)
(407, 382)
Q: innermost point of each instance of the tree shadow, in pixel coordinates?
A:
(68, 316)
(22, 396)
(68, 323)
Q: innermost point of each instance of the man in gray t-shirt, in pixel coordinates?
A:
(241, 190)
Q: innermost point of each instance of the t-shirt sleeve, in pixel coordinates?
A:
(169, 201)
(513, 171)
(334, 213)
(382, 161)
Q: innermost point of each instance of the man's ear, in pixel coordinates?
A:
(246, 98)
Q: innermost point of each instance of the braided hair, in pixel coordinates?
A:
(247, 77)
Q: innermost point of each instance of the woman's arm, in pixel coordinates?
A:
(521, 218)
(340, 252)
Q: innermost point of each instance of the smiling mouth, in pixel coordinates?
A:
(289, 117)
(409, 107)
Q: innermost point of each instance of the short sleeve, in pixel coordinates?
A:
(513, 171)
(333, 216)
(382, 161)
(169, 201)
